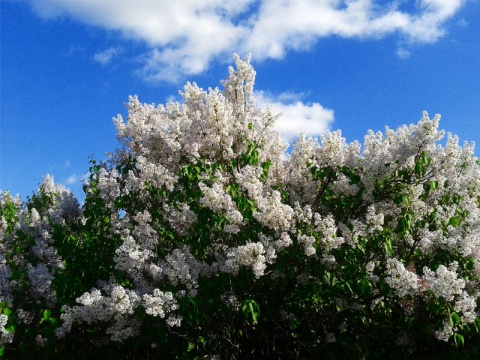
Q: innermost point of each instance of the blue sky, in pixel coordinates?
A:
(68, 66)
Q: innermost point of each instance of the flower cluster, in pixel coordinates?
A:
(399, 278)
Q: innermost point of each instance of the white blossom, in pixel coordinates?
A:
(251, 255)
(444, 281)
(402, 281)
(159, 303)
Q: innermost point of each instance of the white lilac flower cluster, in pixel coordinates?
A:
(181, 219)
(116, 307)
(249, 255)
(273, 213)
(6, 336)
(62, 208)
(181, 267)
(403, 281)
(217, 200)
(38, 261)
(444, 281)
(5, 275)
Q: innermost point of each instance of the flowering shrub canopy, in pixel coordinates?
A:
(202, 237)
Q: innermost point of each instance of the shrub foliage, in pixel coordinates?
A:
(203, 238)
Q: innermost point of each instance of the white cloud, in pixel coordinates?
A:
(463, 23)
(185, 36)
(72, 179)
(403, 53)
(297, 117)
(74, 50)
(105, 57)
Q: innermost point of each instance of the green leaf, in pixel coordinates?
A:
(459, 340)
(46, 314)
(418, 169)
(454, 221)
(251, 310)
(253, 205)
(388, 247)
(265, 166)
(10, 328)
(364, 285)
(455, 319)
(329, 277)
(477, 323)
(426, 188)
(53, 321)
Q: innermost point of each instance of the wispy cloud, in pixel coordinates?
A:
(105, 57)
(296, 116)
(185, 36)
(72, 179)
(74, 50)
(403, 53)
(463, 23)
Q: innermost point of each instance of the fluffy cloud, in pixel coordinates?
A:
(185, 36)
(297, 116)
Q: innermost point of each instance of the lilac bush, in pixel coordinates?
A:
(202, 237)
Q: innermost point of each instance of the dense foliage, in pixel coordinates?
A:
(203, 238)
